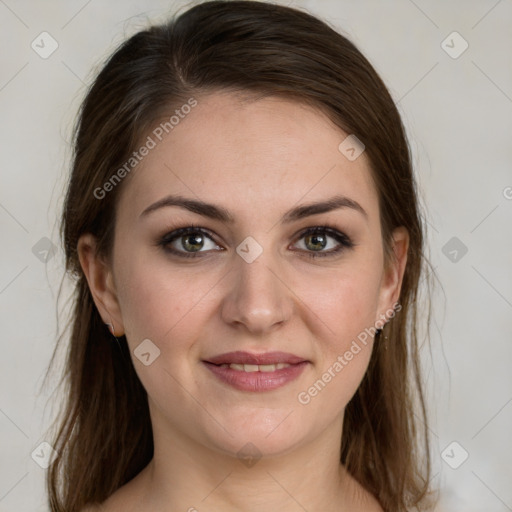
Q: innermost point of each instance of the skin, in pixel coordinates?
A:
(258, 159)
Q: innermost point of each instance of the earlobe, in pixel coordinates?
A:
(101, 284)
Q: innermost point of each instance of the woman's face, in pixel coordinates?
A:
(232, 292)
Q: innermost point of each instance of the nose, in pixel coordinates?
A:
(258, 297)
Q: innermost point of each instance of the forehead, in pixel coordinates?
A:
(249, 155)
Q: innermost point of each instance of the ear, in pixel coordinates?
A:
(101, 283)
(391, 283)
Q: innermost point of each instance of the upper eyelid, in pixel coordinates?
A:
(179, 232)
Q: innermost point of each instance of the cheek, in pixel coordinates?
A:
(345, 301)
(160, 302)
(342, 356)
(347, 308)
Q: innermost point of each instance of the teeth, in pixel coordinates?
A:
(256, 367)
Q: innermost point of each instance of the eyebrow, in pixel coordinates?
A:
(221, 214)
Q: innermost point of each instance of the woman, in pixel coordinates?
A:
(243, 226)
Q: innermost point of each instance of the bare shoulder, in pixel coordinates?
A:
(113, 504)
(125, 499)
(363, 500)
(106, 506)
(93, 508)
(117, 502)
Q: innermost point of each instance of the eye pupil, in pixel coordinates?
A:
(317, 245)
(197, 239)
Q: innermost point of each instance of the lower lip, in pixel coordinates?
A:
(257, 381)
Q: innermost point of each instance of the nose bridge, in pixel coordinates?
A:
(257, 297)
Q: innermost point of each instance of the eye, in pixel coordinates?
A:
(316, 240)
(191, 241)
(187, 241)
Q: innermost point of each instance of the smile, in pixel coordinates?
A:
(256, 372)
(255, 367)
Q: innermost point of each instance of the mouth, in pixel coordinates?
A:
(256, 372)
(255, 367)
(246, 358)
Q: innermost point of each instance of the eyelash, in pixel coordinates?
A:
(344, 241)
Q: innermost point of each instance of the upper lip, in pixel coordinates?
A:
(240, 357)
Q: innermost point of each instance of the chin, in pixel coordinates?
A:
(264, 431)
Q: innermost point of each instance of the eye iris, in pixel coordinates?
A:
(318, 242)
(196, 239)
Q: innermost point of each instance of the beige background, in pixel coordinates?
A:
(458, 113)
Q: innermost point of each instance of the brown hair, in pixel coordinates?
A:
(104, 435)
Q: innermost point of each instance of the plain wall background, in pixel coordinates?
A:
(458, 114)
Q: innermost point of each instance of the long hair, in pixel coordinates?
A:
(103, 436)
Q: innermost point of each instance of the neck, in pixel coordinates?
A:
(186, 475)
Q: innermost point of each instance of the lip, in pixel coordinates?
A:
(241, 357)
(256, 381)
